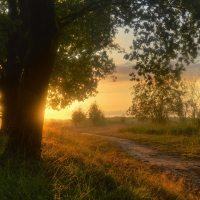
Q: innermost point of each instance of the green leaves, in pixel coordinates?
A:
(82, 58)
(76, 76)
(166, 37)
(157, 101)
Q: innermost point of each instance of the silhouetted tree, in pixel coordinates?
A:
(61, 47)
(157, 102)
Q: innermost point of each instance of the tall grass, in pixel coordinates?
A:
(24, 181)
(92, 168)
(176, 138)
(3, 140)
(77, 166)
(169, 129)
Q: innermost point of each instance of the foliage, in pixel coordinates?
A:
(163, 32)
(191, 98)
(96, 115)
(156, 102)
(166, 36)
(78, 116)
(82, 59)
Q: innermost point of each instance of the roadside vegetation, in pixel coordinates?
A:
(79, 166)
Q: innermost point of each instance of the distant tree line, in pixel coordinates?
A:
(158, 101)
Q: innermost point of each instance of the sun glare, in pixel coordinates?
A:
(64, 113)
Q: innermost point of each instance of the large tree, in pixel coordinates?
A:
(157, 102)
(61, 46)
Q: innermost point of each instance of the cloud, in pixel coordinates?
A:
(123, 72)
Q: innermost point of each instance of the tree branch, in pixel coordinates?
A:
(92, 7)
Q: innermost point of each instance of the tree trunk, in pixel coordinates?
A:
(25, 131)
(8, 98)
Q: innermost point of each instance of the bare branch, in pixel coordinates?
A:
(93, 7)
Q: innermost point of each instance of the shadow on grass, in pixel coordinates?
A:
(54, 179)
(73, 179)
(24, 180)
(62, 176)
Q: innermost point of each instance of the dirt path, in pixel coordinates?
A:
(174, 167)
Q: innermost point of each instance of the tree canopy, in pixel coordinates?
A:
(166, 35)
(82, 58)
(157, 102)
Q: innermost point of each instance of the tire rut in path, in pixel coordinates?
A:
(174, 166)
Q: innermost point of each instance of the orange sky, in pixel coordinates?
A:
(114, 98)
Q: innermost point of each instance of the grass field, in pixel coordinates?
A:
(77, 166)
(176, 138)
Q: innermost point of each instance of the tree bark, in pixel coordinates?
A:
(25, 131)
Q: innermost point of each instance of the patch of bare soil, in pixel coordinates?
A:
(173, 167)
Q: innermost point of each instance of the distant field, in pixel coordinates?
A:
(174, 138)
(78, 166)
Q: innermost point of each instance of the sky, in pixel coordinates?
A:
(114, 98)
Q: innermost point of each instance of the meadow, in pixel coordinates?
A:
(79, 166)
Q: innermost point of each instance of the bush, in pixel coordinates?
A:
(96, 115)
(78, 116)
(123, 119)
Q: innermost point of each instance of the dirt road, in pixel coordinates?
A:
(173, 166)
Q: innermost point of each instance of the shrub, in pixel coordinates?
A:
(96, 115)
(123, 119)
(78, 116)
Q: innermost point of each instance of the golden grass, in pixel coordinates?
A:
(84, 167)
(92, 164)
(187, 146)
